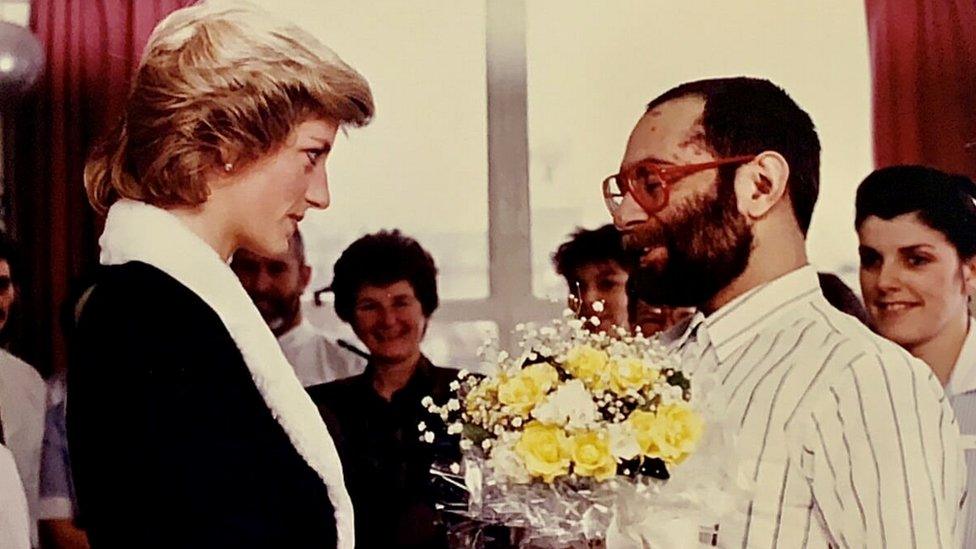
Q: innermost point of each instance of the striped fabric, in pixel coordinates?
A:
(962, 394)
(846, 439)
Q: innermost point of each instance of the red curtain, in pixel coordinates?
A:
(923, 59)
(92, 47)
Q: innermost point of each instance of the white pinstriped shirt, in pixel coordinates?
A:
(962, 394)
(849, 440)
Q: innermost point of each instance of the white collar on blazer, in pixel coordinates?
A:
(135, 231)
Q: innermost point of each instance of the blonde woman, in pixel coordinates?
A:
(187, 426)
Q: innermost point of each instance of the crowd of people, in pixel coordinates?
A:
(201, 409)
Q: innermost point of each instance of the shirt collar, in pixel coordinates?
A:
(963, 378)
(297, 332)
(741, 318)
(676, 336)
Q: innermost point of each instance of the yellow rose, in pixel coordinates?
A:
(544, 450)
(543, 374)
(588, 365)
(592, 457)
(521, 392)
(671, 433)
(630, 373)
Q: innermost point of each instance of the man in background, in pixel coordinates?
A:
(276, 285)
(23, 397)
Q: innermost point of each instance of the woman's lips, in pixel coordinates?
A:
(894, 307)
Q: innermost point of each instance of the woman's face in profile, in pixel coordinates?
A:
(912, 278)
(390, 321)
(269, 197)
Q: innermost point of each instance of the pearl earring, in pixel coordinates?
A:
(228, 167)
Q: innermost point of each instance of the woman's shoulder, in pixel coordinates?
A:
(131, 277)
(136, 300)
(138, 287)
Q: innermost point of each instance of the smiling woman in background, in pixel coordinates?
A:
(187, 426)
(917, 232)
(385, 287)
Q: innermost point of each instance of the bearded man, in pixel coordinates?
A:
(844, 439)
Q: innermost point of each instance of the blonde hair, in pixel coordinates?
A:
(218, 83)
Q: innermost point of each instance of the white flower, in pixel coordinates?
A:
(421, 426)
(570, 405)
(623, 441)
(463, 374)
(597, 306)
(465, 444)
(594, 321)
(426, 402)
(506, 464)
(486, 444)
(429, 436)
(455, 429)
(516, 422)
(453, 405)
(454, 385)
(455, 468)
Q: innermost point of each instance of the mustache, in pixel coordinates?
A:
(648, 243)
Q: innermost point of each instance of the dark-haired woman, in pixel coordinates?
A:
(385, 287)
(917, 232)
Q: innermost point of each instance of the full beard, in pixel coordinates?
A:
(697, 252)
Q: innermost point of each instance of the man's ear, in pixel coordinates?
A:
(304, 276)
(761, 184)
(969, 275)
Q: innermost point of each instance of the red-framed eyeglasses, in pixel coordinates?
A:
(649, 182)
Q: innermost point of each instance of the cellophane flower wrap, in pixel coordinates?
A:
(573, 439)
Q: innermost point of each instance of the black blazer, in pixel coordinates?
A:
(171, 443)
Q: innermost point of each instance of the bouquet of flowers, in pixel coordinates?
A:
(568, 431)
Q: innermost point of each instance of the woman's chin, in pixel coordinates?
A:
(393, 356)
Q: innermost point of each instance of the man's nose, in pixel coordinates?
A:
(263, 281)
(629, 214)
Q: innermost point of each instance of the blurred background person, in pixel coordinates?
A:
(186, 424)
(23, 394)
(917, 232)
(57, 527)
(385, 287)
(276, 285)
(15, 527)
(593, 264)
